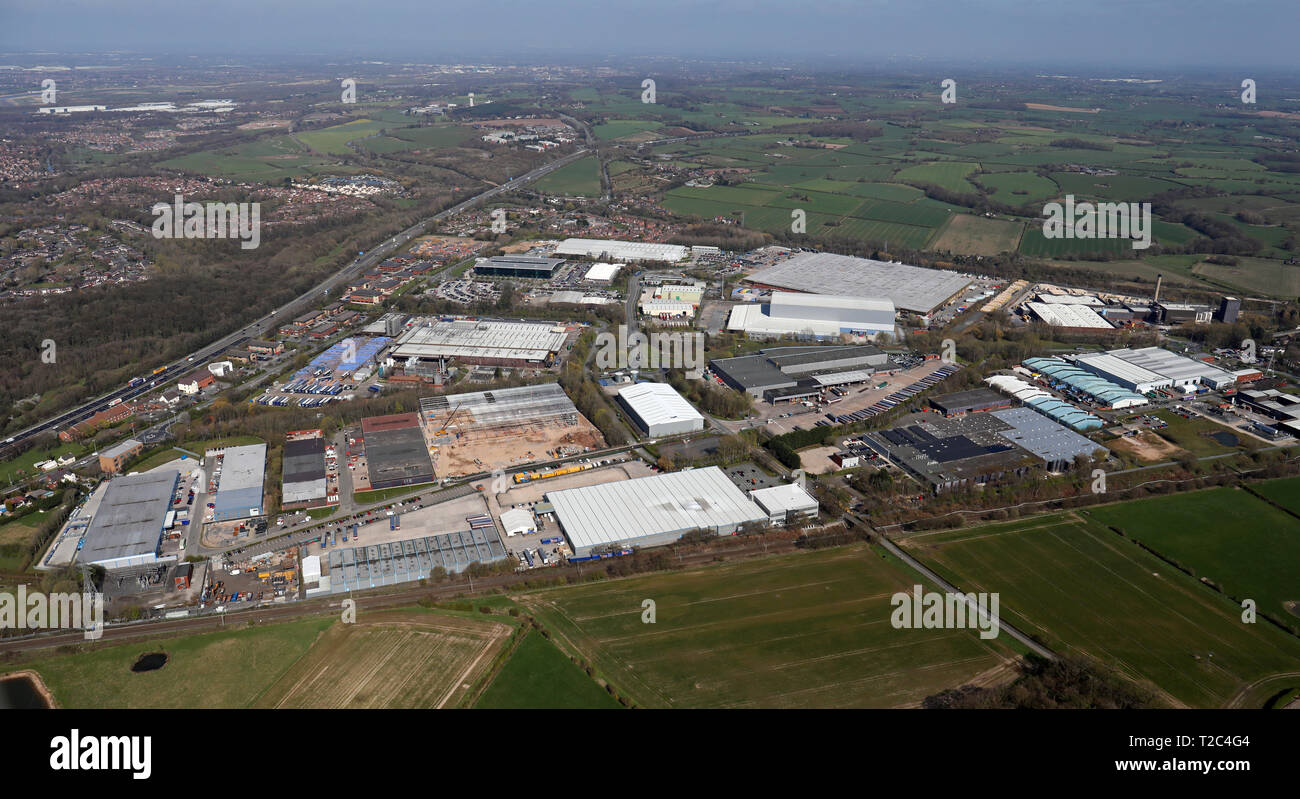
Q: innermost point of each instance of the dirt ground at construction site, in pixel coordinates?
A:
(1147, 446)
(484, 449)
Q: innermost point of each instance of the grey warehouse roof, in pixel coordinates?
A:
(129, 520)
(1044, 437)
(240, 486)
(627, 510)
(911, 288)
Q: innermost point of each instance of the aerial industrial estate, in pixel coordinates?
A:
(733, 385)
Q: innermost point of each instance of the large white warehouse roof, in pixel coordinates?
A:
(911, 288)
(655, 507)
(659, 403)
(622, 250)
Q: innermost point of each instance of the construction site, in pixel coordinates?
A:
(504, 428)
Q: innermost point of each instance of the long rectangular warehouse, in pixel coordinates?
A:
(303, 472)
(126, 528)
(813, 315)
(613, 250)
(239, 492)
(652, 511)
(659, 410)
(483, 342)
(529, 266)
(396, 453)
(910, 288)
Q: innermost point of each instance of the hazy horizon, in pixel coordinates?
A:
(1103, 35)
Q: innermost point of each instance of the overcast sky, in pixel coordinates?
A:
(1119, 34)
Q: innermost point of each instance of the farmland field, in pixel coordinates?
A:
(1082, 588)
(334, 140)
(1256, 275)
(1033, 242)
(948, 174)
(270, 159)
(211, 670)
(406, 659)
(804, 630)
(580, 177)
(975, 235)
(1285, 492)
(539, 676)
(1246, 546)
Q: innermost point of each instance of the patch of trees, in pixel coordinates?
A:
(1279, 162)
(1080, 144)
(1066, 683)
(1219, 237)
(590, 401)
(710, 399)
(728, 237)
(830, 129)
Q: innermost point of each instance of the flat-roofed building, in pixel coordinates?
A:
(820, 316)
(973, 401)
(526, 266)
(1055, 444)
(910, 288)
(625, 251)
(304, 474)
(602, 272)
(1123, 373)
(1186, 373)
(785, 503)
(240, 487)
(652, 511)
(127, 526)
(115, 457)
(396, 452)
(1069, 315)
(659, 410)
(488, 343)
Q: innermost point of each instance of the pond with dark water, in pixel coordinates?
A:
(21, 693)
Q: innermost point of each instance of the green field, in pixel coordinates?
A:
(620, 128)
(1018, 188)
(1018, 157)
(1193, 435)
(1246, 546)
(582, 177)
(966, 234)
(804, 630)
(948, 174)
(1033, 242)
(334, 140)
(539, 676)
(1082, 588)
(19, 531)
(270, 159)
(211, 670)
(1285, 492)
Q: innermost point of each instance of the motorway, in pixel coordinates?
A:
(267, 323)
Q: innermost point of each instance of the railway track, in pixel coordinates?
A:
(377, 599)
